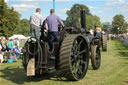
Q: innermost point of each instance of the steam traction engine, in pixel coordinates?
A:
(69, 56)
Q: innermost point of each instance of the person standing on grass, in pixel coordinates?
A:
(17, 42)
(1, 55)
(17, 51)
(35, 24)
(52, 22)
(10, 44)
(6, 44)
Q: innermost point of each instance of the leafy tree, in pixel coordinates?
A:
(107, 26)
(24, 27)
(119, 22)
(2, 20)
(89, 22)
(74, 18)
(127, 27)
(96, 21)
(12, 20)
(92, 21)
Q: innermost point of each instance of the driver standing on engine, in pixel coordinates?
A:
(98, 31)
(51, 25)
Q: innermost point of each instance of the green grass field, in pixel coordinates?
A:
(22, 44)
(113, 71)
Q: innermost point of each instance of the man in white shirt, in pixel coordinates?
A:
(35, 24)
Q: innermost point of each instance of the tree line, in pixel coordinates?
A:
(10, 22)
(117, 26)
(74, 18)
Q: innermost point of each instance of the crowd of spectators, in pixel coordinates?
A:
(9, 49)
(122, 37)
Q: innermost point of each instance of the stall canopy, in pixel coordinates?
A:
(18, 36)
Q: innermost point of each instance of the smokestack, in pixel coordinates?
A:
(83, 19)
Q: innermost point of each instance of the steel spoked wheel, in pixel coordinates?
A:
(79, 61)
(74, 61)
(95, 57)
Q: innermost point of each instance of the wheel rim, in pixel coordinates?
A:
(79, 59)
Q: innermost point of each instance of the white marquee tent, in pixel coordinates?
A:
(18, 36)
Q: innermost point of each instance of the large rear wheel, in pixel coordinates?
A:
(74, 57)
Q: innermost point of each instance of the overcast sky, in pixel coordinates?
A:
(105, 9)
